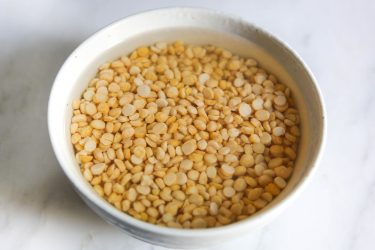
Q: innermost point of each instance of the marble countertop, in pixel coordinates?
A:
(40, 210)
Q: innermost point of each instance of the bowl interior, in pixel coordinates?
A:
(240, 38)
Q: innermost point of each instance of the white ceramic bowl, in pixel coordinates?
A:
(196, 26)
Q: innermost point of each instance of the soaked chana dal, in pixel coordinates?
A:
(186, 136)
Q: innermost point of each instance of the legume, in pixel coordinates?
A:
(186, 136)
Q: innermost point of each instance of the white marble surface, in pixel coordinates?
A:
(39, 209)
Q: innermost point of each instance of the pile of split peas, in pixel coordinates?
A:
(186, 136)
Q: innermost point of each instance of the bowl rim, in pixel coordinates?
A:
(145, 226)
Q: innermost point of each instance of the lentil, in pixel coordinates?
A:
(186, 136)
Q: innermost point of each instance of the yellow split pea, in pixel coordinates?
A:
(186, 136)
